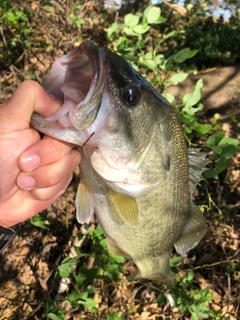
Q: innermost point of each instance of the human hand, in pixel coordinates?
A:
(34, 172)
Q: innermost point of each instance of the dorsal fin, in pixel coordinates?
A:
(126, 206)
(84, 203)
(197, 164)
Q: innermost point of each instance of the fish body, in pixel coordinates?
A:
(137, 173)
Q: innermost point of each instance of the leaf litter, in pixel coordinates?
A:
(29, 265)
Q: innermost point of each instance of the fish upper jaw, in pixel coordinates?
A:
(78, 79)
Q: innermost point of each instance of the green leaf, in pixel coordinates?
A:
(76, 298)
(67, 266)
(181, 55)
(113, 28)
(72, 16)
(229, 151)
(193, 99)
(21, 15)
(203, 129)
(11, 16)
(176, 260)
(169, 97)
(79, 22)
(228, 141)
(152, 14)
(118, 259)
(140, 29)
(169, 35)
(194, 316)
(178, 77)
(53, 316)
(221, 166)
(192, 53)
(131, 20)
(39, 220)
(190, 275)
(214, 140)
(151, 64)
(128, 31)
(160, 20)
(88, 303)
(158, 58)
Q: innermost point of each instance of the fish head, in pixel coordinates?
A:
(78, 80)
(114, 114)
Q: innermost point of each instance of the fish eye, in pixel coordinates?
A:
(131, 97)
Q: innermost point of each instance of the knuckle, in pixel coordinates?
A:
(51, 177)
(53, 151)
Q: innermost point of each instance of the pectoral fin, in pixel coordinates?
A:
(84, 203)
(193, 231)
(126, 207)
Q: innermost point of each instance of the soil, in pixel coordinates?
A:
(28, 266)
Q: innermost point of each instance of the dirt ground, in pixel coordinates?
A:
(28, 266)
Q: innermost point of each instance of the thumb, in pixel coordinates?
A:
(28, 98)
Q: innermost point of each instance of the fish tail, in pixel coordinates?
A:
(157, 270)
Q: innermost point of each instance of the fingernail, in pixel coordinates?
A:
(26, 182)
(29, 162)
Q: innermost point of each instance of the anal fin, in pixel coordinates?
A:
(193, 232)
(115, 250)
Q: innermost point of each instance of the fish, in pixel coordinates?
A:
(137, 174)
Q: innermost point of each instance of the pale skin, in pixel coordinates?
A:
(34, 172)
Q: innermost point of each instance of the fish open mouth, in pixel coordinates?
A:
(78, 79)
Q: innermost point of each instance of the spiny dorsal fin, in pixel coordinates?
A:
(126, 206)
(193, 232)
(197, 164)
(115, 250)
(84, 203)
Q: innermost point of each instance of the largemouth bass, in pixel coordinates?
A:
(137, 173)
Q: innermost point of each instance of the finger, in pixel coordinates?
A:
(31, 202)
(28, 98)
(53, 192)
(50, 174)
(46, 151)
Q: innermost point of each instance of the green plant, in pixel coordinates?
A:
(129, 39)
(16, 31)
(75, 17)
(52, 311)
(194, 302)
(109, 263)
(114, 316)
(40, 219)
(222, 148)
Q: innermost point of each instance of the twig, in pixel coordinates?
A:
(214, 264)
(4, 39)
(35, 311)
(117, 13)
(9, 312)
